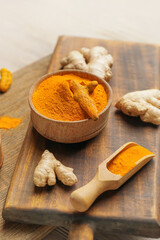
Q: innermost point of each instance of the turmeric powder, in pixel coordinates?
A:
(8, 122)
(126, 160)
(54, 99)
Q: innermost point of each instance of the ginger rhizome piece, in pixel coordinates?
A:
(81, 95)
(47, 170)
(95, 60)
(145, 104)
(44, 172)
(6, 80)
(74, 60)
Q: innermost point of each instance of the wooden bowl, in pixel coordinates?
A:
(69, 131)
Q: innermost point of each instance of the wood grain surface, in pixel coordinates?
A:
(80, 231)
(134, 207)
(15, 104)
(1, 153)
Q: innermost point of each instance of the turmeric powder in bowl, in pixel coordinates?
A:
(54, 99)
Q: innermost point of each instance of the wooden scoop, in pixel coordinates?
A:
(104, 180)
(1, 153)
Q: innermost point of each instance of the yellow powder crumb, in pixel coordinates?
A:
(126, 160)
(8, 122)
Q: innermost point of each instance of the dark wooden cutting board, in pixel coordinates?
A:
(132, 209)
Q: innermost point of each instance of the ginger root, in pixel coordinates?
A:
(145, 104)
(74, 60)
(6, 80)
(47, 170)
(95, 60)
(81, 95)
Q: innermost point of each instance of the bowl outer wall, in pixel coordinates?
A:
(69, 131)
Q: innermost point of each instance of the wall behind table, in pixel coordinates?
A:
(29, 29)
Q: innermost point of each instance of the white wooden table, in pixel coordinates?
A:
(29, 31)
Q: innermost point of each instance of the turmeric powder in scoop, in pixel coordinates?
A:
(126, 160)
(54, 98)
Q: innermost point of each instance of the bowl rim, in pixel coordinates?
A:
(41, 79)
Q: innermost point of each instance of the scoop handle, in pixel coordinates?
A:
(82, 198)
(81, 231)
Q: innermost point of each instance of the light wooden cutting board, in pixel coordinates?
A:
(132, 209)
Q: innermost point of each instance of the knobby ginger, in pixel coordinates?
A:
(74, 60)
(47, 170)
(145, 104)
(95, 60)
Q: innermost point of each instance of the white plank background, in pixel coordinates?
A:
(29, 31)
